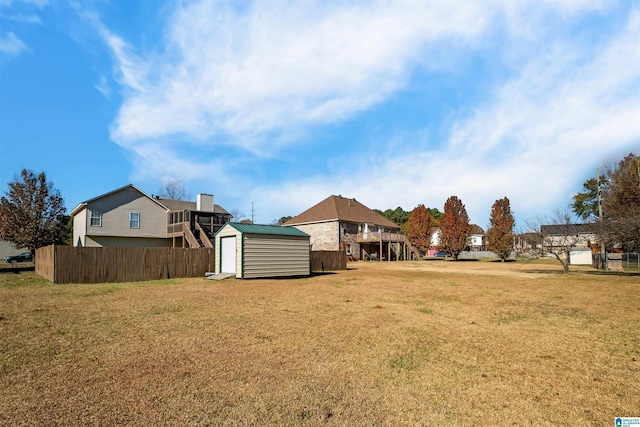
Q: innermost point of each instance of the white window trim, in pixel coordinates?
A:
(95, 214)
(131, 220)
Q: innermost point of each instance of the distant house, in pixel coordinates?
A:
(129, 217)
(434, 241)
(569, 240)
(563, 235)
(341, 223)
(476, 238)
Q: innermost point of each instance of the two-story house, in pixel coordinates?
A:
(129, 217)
(341, 223)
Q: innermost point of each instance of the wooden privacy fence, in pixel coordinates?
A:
(67, 264)
(328, 260)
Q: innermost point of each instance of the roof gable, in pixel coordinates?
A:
(84, 204)
(166, 204)
(343, 209)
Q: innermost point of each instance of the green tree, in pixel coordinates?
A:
(401, 217)
(620, 224)
(500, 234)
(397, 215)
(32, 212)
(620, 196)
(435, 213)
(418, 226)
(282, 220)
(454, 227)
(585, 204)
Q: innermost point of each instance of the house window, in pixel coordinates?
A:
(134, 220)
(96, 218)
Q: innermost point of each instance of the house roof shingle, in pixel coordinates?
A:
(168, 204)
(343, 209)
(84, 204)
(178, 205)
(476, 229)
(564, 229)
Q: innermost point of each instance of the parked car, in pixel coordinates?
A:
(441, 254)
(23, 257)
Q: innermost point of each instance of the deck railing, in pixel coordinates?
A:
(377, 236)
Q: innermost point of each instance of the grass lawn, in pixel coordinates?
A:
(407, 343)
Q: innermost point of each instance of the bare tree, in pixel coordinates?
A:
(554, 236)
(237, 215)
(174, 190)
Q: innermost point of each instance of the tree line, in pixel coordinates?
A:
(611, 202)
(32, 214)
(455, 229)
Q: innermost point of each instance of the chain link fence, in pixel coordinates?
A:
(624, 262)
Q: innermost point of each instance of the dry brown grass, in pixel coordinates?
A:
(410, 343)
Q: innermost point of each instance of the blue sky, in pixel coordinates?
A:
(285, 103)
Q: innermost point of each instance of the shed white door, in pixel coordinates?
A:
(228, 254)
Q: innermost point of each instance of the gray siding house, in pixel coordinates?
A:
(128, 217)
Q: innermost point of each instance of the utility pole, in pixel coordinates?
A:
(599, 194)
(253, 211)
(602, 249)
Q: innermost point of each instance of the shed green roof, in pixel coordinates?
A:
(266, 229)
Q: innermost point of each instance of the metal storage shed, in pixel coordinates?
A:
(253, 251)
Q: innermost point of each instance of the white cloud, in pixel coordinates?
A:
(276, 68)
(23, 18)
(37, 3)
(264, 74)
(12, 45)
(566, 111)
(103, 87)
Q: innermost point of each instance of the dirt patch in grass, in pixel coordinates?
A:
(409, 343)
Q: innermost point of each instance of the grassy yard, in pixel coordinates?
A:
(409, 343)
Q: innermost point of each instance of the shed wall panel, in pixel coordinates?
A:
(275, 256)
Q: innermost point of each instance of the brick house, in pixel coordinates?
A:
(341, 223)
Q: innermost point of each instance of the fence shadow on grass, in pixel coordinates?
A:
(613, 273)
(559, 272)
(17, 270)
(322, 273)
